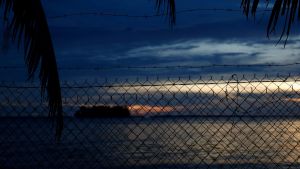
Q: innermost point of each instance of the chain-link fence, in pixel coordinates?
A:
(237, 122)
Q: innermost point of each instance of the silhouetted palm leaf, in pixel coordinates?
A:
(282, 8)
(27, 24)
(167, 7)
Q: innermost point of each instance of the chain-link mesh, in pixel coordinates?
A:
(239, 122)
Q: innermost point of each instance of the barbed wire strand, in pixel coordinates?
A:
(100, 13)
(163, 67)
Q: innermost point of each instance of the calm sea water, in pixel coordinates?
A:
(151, 143)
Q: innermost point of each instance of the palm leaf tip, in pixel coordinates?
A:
(285, 9)
(167, 7)
(249, 7)
(28, 26)
(254, 7)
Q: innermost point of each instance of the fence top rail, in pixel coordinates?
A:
(157, 81)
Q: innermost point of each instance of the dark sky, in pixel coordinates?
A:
(199, 38)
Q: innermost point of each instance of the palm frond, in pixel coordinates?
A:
(27, 24)
(285, 9)
(167, 7)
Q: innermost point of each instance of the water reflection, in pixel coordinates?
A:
(153, 142)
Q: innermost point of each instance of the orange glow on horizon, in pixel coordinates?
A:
(293, 99)
(141, 110)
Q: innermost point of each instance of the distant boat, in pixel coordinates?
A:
(102, 111)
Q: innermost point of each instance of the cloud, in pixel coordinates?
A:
(238, 50)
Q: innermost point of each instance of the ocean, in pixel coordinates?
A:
(152, 142)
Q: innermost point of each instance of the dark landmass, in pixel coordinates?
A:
(103, 111)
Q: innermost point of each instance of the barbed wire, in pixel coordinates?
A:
(100, 13)
(115, 14)
(96, 68)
